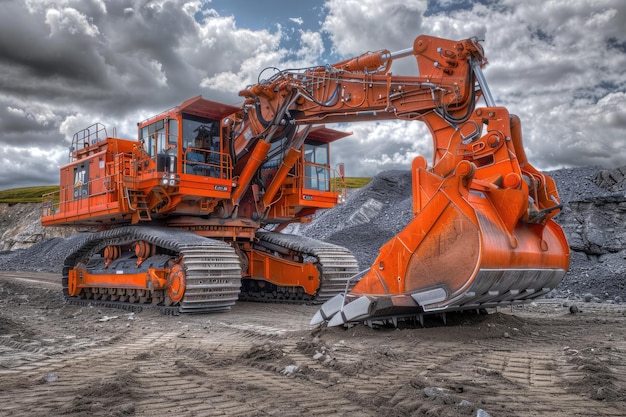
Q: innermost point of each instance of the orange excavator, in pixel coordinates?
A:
(189, 217)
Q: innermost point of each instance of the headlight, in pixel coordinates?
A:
(170, 179)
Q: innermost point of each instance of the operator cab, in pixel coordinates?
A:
(187, 139)
(317, 172)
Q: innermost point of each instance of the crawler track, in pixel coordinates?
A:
(213, 271)
(335, 263)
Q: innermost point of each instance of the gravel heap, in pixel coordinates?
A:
(370, 217)
(593, 219)
(46, 256)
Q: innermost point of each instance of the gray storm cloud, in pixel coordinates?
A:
(66, 64)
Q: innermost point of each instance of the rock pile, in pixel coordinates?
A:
(20, 227)
(611, 179)
(593, 219)
(370, 217)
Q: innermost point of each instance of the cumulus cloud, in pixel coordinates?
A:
(66, 64)
(70, 20)
(357, 26)
(312, 46)
(379, 146)
(30, 165)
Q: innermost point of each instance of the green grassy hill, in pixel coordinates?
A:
(26, 194)
(355, 182)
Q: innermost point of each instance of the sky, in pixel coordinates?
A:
(67, 64)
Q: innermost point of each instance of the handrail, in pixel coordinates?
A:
(198, 161)
(323, 181)
(87, 137)
(66, 202)
(59, 202)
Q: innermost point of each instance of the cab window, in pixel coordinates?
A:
(153, 137)
(316, 167)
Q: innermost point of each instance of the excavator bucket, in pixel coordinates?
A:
(473, 243)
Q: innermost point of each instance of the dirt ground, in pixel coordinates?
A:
(265, 360)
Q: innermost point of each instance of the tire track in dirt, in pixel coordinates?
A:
(527, 374)
(172, 374)
(54, 382)
(16, 355)
(238, 389)
(264, 359)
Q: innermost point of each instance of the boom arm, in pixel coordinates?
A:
(358, 89)
(363, 89)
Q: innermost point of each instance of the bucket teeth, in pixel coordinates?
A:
(490, 288)
(328, 309)
(338, 315)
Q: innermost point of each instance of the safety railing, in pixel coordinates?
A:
(96, 194)
(338, 185)
(87, 137)
(317, 177)
(83, 198)
(208, 163)
(323, 178)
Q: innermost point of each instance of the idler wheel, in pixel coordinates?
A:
(176, 282)
(72, 285)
